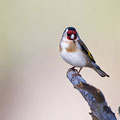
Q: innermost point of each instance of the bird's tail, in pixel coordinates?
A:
(100, 72)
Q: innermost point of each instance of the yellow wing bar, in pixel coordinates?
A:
(90, 55)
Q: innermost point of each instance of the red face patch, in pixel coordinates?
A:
(69, 33)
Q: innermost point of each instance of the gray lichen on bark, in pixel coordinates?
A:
(95, 98)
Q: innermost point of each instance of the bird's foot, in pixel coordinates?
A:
(72, 69)
(76, 74)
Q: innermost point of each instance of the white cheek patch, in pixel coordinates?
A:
(65, 44)
(72, 36)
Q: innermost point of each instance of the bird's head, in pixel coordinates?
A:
(70, 34)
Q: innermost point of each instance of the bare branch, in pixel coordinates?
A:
(96, 100)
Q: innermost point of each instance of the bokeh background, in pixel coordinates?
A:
(33, 83)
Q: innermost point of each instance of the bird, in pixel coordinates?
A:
(74, 51)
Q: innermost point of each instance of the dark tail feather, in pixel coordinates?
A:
(100, 72)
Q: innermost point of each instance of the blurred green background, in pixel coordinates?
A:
(33, 83)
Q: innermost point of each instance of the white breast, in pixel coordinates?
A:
(77, 58)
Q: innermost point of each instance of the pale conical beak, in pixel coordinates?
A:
(72, 36)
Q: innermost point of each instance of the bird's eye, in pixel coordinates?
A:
(68, 34)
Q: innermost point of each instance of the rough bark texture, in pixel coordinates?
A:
(96, 100)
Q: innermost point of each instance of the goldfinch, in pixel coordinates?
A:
(74, 51)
